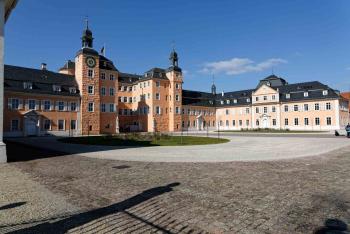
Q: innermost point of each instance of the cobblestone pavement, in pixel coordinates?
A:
(289, 196)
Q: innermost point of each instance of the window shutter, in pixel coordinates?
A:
(9, 103)
(20, 106)
(52, 105)
(26, 105)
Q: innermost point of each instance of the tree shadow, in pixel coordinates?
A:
(78, 220)
(331, 226)
(12, 205)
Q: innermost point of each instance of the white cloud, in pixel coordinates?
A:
(237, 66)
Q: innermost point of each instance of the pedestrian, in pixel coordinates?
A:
(347, 128)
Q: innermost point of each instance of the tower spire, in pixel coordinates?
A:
(87, 39)
(213, 86)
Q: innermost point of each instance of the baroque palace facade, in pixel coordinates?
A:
(91, 96)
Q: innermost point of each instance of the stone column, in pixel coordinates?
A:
(3, 157)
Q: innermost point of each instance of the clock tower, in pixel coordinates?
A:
(87, 76)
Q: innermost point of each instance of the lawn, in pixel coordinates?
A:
(143, 140)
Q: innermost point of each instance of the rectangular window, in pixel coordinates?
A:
(31, 104)
(157, 96)
(306, 107)
(73, 124)
(328, 106)
(177, 110)
(177, 86)
(265, 98)
(296, 121)
(14, 125)
(273, 109)
(47, 105)
(103, 76)
(240, 122)
(111, 91)
(14, 104)
(227, 112)
(103, 107)
(265, 109)
(130, 99)
(125, 99)
(287, 96)
(73, 106)
(257, 99)
(111, 107)
(247, 122)
(111, 77)
(317, 121)
(325, 92)
(329, 121)
(177, 97)
(296, 108)
(61, 126)
(90, 89)
(247, 111)
(90, 107)
(273, 97)
(233, 122)
(157, 110)
(286, 109)
(274, 122)
(317, 106)
(91, 73)
(306, 121)
(47, 124)
(306, 94)
(227, 123)
(103, 91)
(257, 110)
(286, 122)
(61, 106)
(157, 84)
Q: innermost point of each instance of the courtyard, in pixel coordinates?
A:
(46, 190)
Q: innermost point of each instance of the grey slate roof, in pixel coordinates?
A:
(244, 97)
(42, 81)
(68, 65)
(128, 78)
(107, 64)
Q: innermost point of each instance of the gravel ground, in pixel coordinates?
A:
(289, 196)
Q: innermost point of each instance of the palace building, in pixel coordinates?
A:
(91, 96)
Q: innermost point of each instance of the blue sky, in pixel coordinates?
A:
(239, 41)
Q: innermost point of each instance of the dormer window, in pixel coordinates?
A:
(325, 92)
(72, 90)
(306, 94)
(235, 101)
(28, 85)
(222, 102)
(56, 88)
(268, 84)
(227, 101)
(248, 99)
(288, 95)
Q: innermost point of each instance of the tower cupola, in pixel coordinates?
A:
(87, 39)
(174, 59)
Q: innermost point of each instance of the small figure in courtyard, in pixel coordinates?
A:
(347, 128)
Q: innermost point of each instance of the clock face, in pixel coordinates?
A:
(91, 62)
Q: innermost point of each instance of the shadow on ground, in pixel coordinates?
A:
(98, 219)
(12, 205)
(17, 152)
(333, 226)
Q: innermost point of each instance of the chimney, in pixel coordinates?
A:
(222, 94)
(44, 66)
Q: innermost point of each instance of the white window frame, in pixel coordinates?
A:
(90, 73)
(58, 125)
(93, 107)
(92, 90)
(31, 100)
